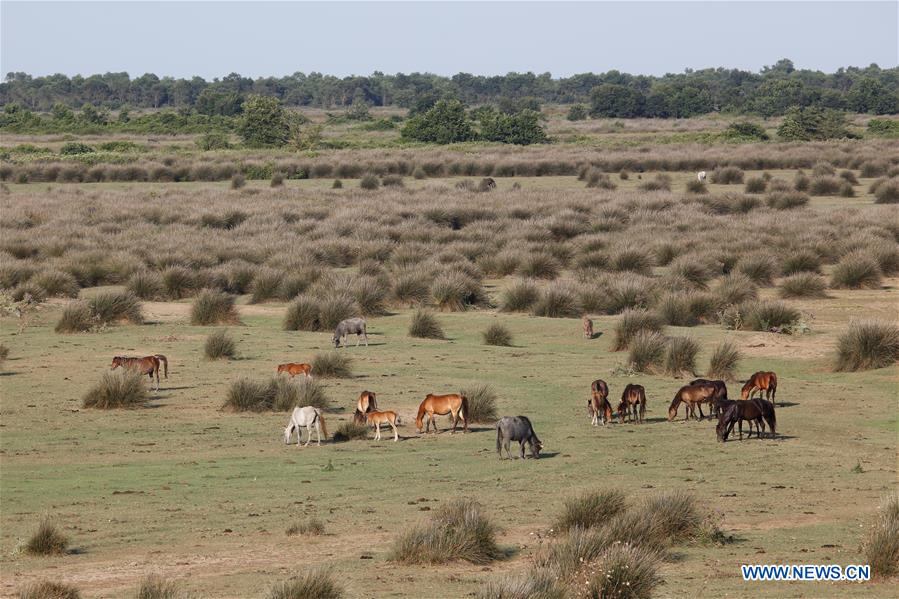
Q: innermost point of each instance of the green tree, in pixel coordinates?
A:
(578, 112)
(812, 123)
(870, 95)
(444, 123)
(522, 128)
(616, 101)
(264, 122)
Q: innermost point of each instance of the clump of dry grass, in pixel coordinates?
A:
(457, 530)
(425, 325)
(630, 324)
(497, 334)
(727, 175)
(350, 431)
(332, 364)
(590, 509)
(219, 345)
(867, 345)
(313, 584)
(154, 586)
(213, 307)
(117, 389)
(804, 284)
(47, 539)
(557, 302)
(520, 296)
(647, 351)
(313, 527)
(881, 543)
(46, 589)
(724, 361)
(680, 356)
(481, 403)
(856, 270)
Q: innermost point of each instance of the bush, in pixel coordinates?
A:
(593, 508)
(277, 393)
(456, 291)
(76, 318)
(745, 130)
(785, 200)
(632, 260)
(443, 123)
(213, 307)
(338, 184)
(154, 586)
(557, 302)
(73, 148)
(369, 182)
(867, 345)
(539, 265)
(735, 288)
(313, 527)
(682, 309)
(497, 334)
(411, 288)
(334, 308)
(314, 584)
(825, 186)
(302, 315)
(47, 540)
(846, 190)
(46, 589)
(680, 356)
(674, 515)
(647, 351)
(696, 186)
(873, 168)
(804, 284)
(760, 268)
(723, 363)
(56, 283)
(770, 316)
(849, 177)
(481, 403)
(598, 179)
(801, 261)
(392, 181)
(756, 185)
(661, 182)
(237, 181)
(115, 306)
(520, 296)
(213, 141)
(146, 284)
(370, 296)
(289, 393)
(856, 270)
(727, 175)
(266, 285)
(179, 282)
(887, 192)
(577, 112)
(534, 584)
(219, 345)
(424, 325)
(349, 431)
(332, 364)
(458, 530)
(277, 179)
(117, 389)
(623, 571)
(881, 544)
(630, 324)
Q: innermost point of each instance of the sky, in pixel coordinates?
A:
(214, 38)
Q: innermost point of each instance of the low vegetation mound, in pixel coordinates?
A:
(279, 394)
(46, 589)
(481, 403)
(424, 325)
(213, 307)
(314, 584)
(867, 345)
(47, 540)
(155, 586)
(881, 544)
(497, 334)
(117, 389)
(220, 345)
(332, 364)
(458, 530)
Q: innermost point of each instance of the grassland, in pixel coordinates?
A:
(206, 497)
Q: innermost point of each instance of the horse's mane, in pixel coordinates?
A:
(677, 399)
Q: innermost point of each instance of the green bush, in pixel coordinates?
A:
(213, 141)
(481, 403)
(332, 364)
(647, 351)
(117, 389)
(577, 112)
(632, 322)
(745, 130)
(218, 345)
(443, 123)
(424, 325)
(856, 270)
(497, 334)
(723, 363)
(73, 148)
(264, 122)
(868, 345)
(812, 123)
(520, 296)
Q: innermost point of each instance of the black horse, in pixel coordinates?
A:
(752, 410)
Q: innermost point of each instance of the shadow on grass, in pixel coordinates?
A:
(9, 373)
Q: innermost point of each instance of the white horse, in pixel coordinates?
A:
(306, 416)
(700, 176)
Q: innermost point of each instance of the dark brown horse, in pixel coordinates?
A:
(148, 365)
(598, 404)
(760, 381)
(692, 395)
(755, 410)
(455, 404)
(366, 403)
(632, 398)
(720, 392)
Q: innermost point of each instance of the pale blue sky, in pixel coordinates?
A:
(212, 39)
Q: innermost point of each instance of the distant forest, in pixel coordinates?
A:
(770, 92)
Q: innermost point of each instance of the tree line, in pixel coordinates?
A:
(771, 92)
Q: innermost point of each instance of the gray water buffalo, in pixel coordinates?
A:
(516, 428)
(350, 326)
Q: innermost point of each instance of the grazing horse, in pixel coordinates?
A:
(516, 428)
(692, 395)
(598, 404)
(700, 176)
(295, 368)
(378, 418)
(632, 397)
(720, 393)
(588, 328)
(306, 416)
(148, 365)
(758, 410)
(455, 404)
(760, 381)
(350, 326)
(366, 403)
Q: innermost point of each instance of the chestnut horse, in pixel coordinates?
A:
(148, 365)
(632, 398)
(720, 393)
(295, 368)
(760, 381)
(366, 403)
(692, 395)
(598, 404)
(454, 404)
(378, 418)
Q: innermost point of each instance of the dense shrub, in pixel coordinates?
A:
(46, 589)
(302, 315)
(520, 296)
(154, 586)
(785, 200)
(867, 345)
(245, 395)
(756, 185)
(825, 186)
(218, 345)
(497, 334)
(76, 318)
(760, 268)
(887, 192)
(557, 302)
(146, 284)
(630, 324)
(804, 284)
(647, 351)
(47, 540)
(735, 288)
(117, 389)
(115, 306)
(881, 543)
(56, 283)
(455, 291)
(592, 508)
(443, 123)
(770, 316)
(424, 325)
(696, 186)
(314, 584)
(458, 530)
(539, 265)
(369, 182)
(332, 364)
(179, 282)
(213, 307)
(856, 270)
(481, 403)
(334, 308)
(723, 363)
(727, 175)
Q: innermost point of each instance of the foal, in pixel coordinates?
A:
(379, 418)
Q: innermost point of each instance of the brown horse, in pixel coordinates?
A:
(295, 368)
(632, 398)
(455, 404)
(692, 395)
(755, 410)
(588, 328)
(366, 403)
(148, 365)
(376, 419)
(598, 404)
(760, 381)
(720, 393)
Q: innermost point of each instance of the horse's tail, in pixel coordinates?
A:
(773, 384)
(498, 438)
(399, 421)
(321, 420)
(165, 363)
(773, 421)
(464, 409)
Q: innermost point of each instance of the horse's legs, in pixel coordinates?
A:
(455, 417)
(377, 431)
(395, 435)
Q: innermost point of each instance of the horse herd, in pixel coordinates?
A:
(632, 407)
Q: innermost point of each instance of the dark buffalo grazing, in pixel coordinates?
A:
(516, 428)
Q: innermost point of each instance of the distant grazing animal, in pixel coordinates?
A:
(516, 428)
(588, 328)
(721, 406)
(366, 403)
(295, 368)
(378, 418)
(720, 392)
(350, 326)
(757, 409)
(455, 404)
(598, 404)
(148, 365)
(306, 416)
(692, 395)
(761, 381)
(632, 398)
(700, 176)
